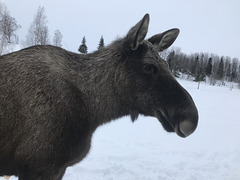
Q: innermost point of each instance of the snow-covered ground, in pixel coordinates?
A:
(123, 150)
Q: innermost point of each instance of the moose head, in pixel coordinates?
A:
(155, 91)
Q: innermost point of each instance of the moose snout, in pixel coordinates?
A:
(186, 116)
(185, 128)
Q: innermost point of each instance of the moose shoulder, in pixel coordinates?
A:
(52, 100)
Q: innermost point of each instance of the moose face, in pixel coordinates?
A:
(155, 91)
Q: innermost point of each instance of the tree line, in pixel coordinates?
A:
(38, 32)
(199, 67)
(84, 49)
(211, 68)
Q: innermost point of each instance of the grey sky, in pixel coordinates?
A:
(206, 26)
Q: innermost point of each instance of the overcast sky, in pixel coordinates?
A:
(206, 26)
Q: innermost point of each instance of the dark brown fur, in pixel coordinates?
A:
(52, 100)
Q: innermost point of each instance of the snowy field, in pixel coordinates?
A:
(123, 150)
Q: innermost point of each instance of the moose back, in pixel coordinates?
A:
(52, 100)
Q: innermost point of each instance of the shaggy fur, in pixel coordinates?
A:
(52, 100)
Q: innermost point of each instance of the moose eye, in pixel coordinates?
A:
(149, 69)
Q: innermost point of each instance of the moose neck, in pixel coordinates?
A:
(104, 85)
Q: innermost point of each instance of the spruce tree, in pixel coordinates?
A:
(195, 67)
(209, 67)
(199, 73)
(101, 43)
(234, 74)
(229, 73)
(220, 72)
(83, 47)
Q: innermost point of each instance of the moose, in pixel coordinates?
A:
(52, 100)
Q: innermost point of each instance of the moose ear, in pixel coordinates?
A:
(164, 40)
(138, 32)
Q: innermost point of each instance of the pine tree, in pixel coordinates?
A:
(101, 43)
(195, 66)
(199, 74)
(209, 67)
(229, 73)
(220, 72)
(234, 69)
(83, 47)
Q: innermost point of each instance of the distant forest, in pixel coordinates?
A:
(207, 67)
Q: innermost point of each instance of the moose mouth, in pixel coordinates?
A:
(168, 125)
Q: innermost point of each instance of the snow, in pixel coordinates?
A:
(123, 150)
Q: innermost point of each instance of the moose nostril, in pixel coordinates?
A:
(187, 127)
